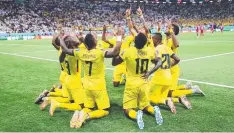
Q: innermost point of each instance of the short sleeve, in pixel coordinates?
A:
(76, 52)
(123, 55)
(112, 41)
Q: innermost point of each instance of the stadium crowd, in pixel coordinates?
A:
(43, 16)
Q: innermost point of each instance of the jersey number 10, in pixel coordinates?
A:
(141, 65)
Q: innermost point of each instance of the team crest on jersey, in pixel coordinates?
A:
(77, 49)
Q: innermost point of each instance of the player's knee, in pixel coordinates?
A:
(116, 84)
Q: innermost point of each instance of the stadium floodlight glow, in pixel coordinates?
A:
(194, 2)
(141, 1)
(123, 0)
(158, 2)
(135, 1)
(211, 1)
(200, 2)
(116, 0)
(184, 2)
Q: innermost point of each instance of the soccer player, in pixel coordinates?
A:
(162, 80)
(171, 41)
(94, 82)
(197, 30)
(221, 28)
(59, 93)
(137, 90)
(202, 31)
(73, 79)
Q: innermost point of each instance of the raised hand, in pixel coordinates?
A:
(128, 12)
(139, 11)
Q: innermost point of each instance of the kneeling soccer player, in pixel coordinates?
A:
(73, 80)
(136, 90)
(94, 82)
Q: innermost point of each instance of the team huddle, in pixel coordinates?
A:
(146, 63)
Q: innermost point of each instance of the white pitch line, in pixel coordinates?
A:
(207, 83)
(25, 45)
(198, 58)
(35, 51)
(31, 57)
(200, 82)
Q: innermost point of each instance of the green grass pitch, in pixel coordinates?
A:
(24, 77)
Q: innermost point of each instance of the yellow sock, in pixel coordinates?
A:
(132, 114)
(175, 100)
(57, 90)
(98, 114)
(87, 110)
(70, 106)
(62, 99)
(150, 109)
(56, 94)
(59, 99)
(180, 87)
(179, 93)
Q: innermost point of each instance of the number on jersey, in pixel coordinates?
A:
(166, 63)
(90, 67)
(141, 65)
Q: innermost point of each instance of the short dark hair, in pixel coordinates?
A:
(158, 36)
(140, 41)
(176, 29)
(89, 40)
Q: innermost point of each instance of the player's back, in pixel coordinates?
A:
(93, 62)
(137, 63)
(94, 68)
(163, 75)
(73, 66)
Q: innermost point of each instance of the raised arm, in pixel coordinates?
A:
(56, 46)
(173, 27)
(69, 40)
(129, 22)
(134, 27)
(140, 14)
(175, 42)
(115, 51)
(104, 37)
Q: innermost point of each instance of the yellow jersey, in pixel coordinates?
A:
(150, 42)
(94, 68)
(62, 64)
(73, 66)
(126, 42)
(168, 42)
(163, 75)
(137, 63)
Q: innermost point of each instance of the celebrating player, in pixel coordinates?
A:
(94, 79)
